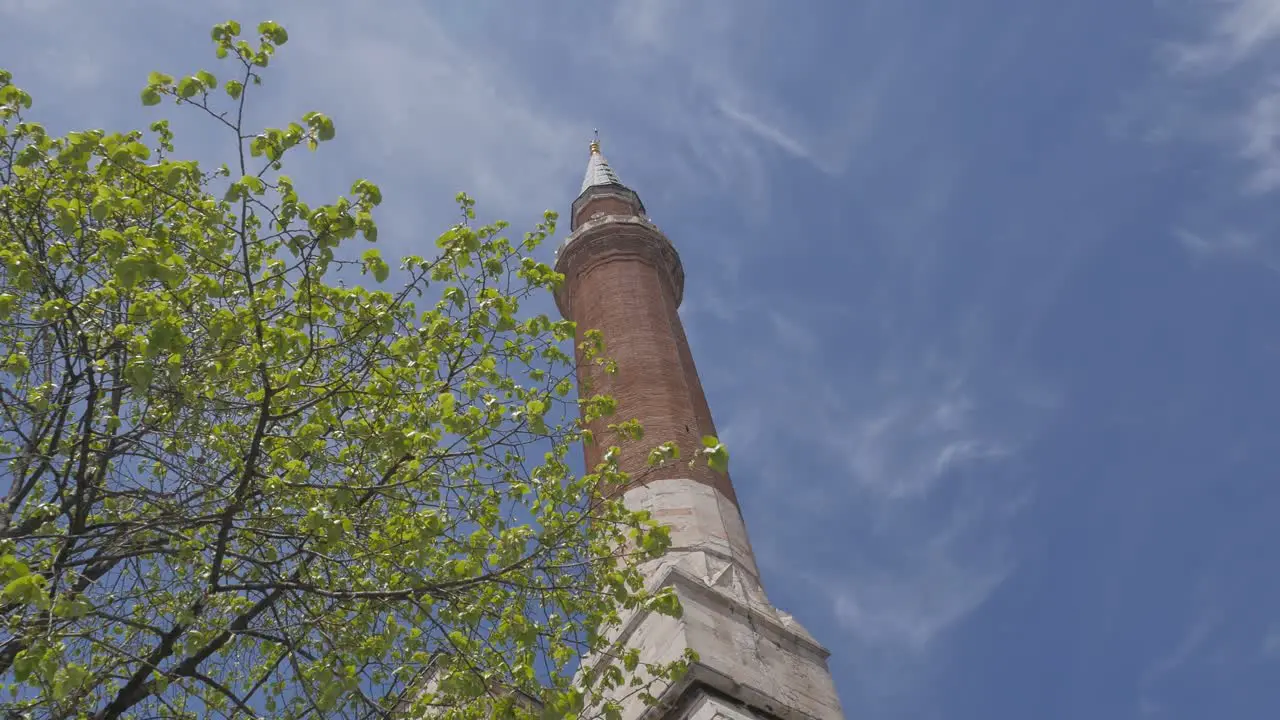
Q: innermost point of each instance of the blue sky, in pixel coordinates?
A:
(984, 294)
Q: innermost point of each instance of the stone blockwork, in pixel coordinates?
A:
(701, 520)
(748, 651)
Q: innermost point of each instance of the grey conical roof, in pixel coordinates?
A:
(598, 170)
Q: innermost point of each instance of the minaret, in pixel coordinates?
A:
(623, 277)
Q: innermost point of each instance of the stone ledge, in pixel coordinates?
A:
(702, 702)
(747, 653)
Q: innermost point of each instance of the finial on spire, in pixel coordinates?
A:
(595, 143)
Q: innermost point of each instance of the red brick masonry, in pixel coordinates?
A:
(624, 278)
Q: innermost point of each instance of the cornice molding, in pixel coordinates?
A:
(616, 237)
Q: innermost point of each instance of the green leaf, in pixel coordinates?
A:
(66, 608)
(274, 32)
(716, 453)
(374, 263)
(29, 156)
(188, 87)
(150, 96)
(253, 183)
(68, 679)
(28, 589)
(100, 208)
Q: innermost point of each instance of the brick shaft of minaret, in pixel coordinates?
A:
(623, 277)
(625, 280)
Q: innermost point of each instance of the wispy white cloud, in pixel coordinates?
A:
(439, 113)
(461, 110)
(1232, 245)
(1271, 642)
(417, 105)
(911, 449)
(897, 611)
(764, 130)
(1221, 90)
(1259, 129)
(926, 467)
(1234, 46)
(1237, 30)
(1198, 633)
(693, 71)
(909, 444)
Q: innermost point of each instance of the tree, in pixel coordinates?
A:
(236, 486)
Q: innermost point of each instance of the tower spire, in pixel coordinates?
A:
(598, 170)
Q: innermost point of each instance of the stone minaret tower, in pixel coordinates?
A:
(623, 277)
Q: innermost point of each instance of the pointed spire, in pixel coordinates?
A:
(598, 170)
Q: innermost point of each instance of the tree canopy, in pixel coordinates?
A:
(237, 486)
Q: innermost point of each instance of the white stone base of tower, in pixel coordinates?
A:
(754, 661)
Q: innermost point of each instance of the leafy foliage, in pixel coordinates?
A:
(238, 487)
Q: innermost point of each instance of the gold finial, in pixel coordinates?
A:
(595, 144)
